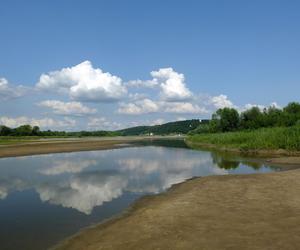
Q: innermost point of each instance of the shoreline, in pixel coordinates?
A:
(250, 152)
(285, 160)
(212, 212)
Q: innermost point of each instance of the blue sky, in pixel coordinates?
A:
(202, 54)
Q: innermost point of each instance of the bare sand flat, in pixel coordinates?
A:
(63, 145)
(55, 147)
(257, 211)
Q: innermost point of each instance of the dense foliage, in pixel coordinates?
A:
(179, 127)
(228, 119)
(24, 130)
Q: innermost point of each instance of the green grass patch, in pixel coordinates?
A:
(287, 138)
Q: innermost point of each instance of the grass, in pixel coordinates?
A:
(287, 138)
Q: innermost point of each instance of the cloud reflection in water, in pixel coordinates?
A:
(85, 180)
(83, 191)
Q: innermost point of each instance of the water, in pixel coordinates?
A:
(46, 198)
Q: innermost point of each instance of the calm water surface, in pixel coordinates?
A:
(46, 198)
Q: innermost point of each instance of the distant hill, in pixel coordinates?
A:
(179, 127)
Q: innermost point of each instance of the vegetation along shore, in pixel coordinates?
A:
(252, 131)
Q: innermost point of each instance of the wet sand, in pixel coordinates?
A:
(256, 211)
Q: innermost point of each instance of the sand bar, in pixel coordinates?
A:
(46, 146)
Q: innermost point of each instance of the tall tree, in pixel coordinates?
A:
(226, 119)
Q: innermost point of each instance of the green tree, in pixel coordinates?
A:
(252, 118)
(5, 131)
(24, 130)
(36, 130)
(226, 119)
(292, 108)
(291, 114)
(272, 117)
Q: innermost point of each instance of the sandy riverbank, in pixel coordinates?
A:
(257, 211)
(46, 146)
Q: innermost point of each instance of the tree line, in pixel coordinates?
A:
(229, 119)
(28, 130)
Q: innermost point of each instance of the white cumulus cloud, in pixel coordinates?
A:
(44, 123)
(85, 83)
(221, 101)
(67, 108)
(184, 108)
(139, 107)
(140, 83)
(172, 83)
(9, 91)
(146, 106)
(101, 123)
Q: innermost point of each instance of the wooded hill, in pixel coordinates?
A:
(178, 127)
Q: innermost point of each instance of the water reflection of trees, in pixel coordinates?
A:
(226, 161)
(173, 143)
(252, 164)
(223, 161)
